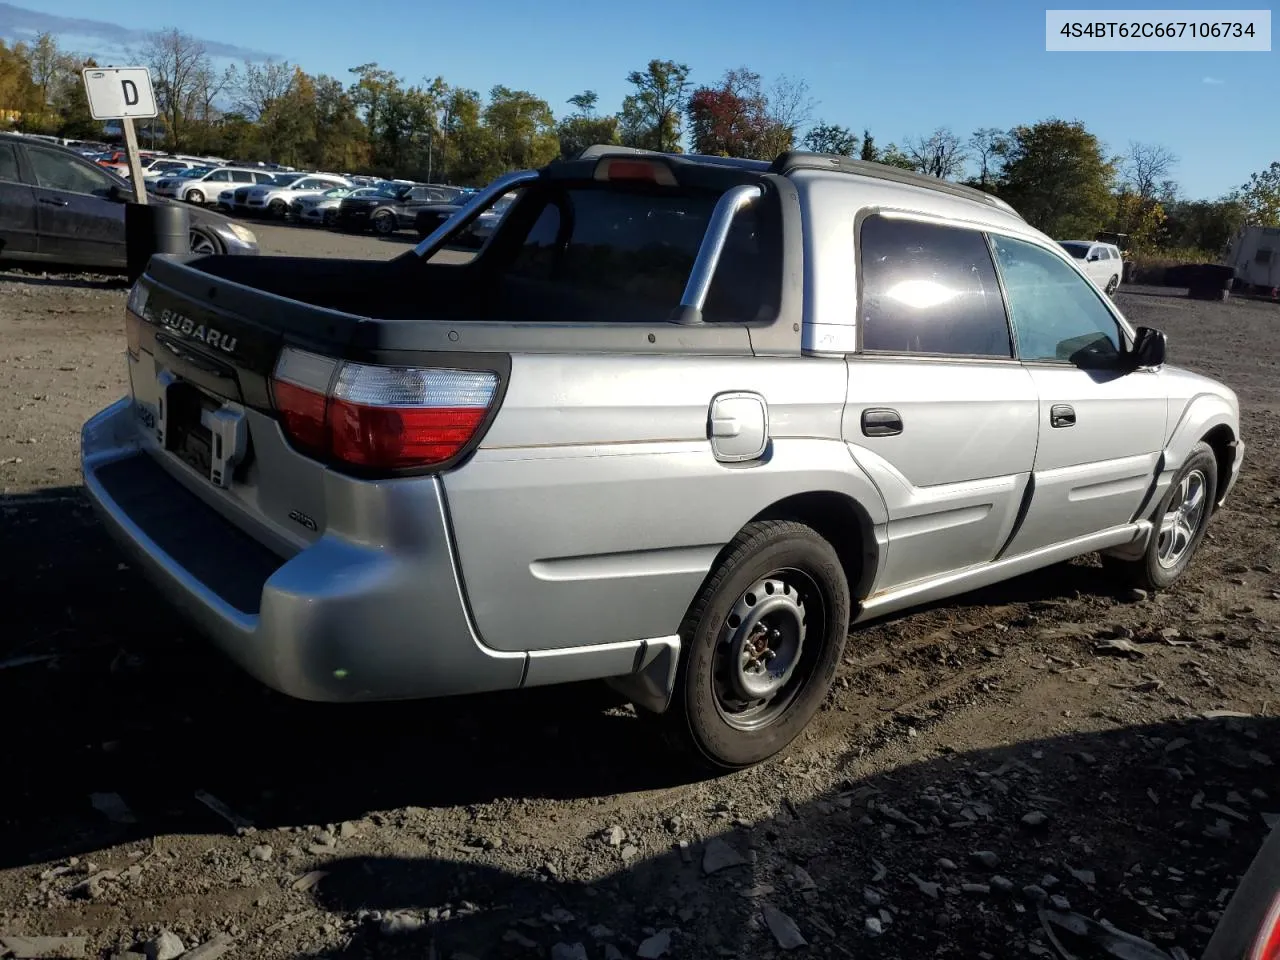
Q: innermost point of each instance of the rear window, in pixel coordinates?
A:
(626, 254)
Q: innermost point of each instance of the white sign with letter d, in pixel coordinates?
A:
(115, 93)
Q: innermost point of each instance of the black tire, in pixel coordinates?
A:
(329, 218)
(278, 209)
(700, 718)
(384, 223)
(1112, 284)
(1151, 572)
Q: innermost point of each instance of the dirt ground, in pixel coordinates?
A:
(977, 759)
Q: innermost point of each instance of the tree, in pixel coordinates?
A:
(178, 63)
(49, 67)
(731, 119)
(831, 138)
(1144, 165)
(522, 129)
(988, 144)
(1055, 175)
(940, 154)
(869, 151)
(1260, 197)
(892, 156)
(1203, 224)
(1142, 218)
(584, 128)
(651, 116)
(790, 107)
(74, 119)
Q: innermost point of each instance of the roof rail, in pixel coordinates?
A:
(804, 160)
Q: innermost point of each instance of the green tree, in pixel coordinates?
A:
(74, 119)
(179, 64)
(522, 130)
(831, 138)
(651, 117)
(1055, 175)
(941, 154)
(1203, 224)
(580, 130)
(869, 150)
(989, 145)
(893, 156)
(1260, 197)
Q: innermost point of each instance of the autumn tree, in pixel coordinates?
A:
(1055, 175)
(1144, 166)
(941, 154)
(1260, 197)
(651, 116)
(831, 138)
(1142, 218)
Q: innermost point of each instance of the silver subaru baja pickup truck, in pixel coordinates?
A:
(677, 424)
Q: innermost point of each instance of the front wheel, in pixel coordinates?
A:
(762, 642)
(278, 209)
(1112, 286)
(1182, 520)
(196, 197)
(384, 224)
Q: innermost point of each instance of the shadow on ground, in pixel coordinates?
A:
(1146, 828)
(114, 693)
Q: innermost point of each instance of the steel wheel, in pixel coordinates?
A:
(202, 243)
(761, 661)
(1182, 519)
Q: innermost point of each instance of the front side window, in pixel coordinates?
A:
(929, 289)
(9, 163)
(1057, 315)
(58, 171)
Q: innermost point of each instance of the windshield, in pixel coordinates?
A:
(194, 172)
(393, 190)
(284, 179)
(1077, 250)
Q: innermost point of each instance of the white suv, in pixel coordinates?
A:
(204, 187)
(275, 198)
(1101, 262)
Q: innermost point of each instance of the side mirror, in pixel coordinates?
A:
(120, 194)
(1148, 348)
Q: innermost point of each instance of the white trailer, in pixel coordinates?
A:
(1254, 253)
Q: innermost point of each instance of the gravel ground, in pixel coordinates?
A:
(977, 761)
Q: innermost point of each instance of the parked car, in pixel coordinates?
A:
(1101, 262)
(322, 208)
(429, 217)
(394, 207)
(60, 207)
(677, 425)
(1253, 254)
(274, 199)
(199, 188)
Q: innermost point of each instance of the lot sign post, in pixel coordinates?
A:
(122, 93)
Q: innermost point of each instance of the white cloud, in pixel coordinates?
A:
(1213, 81)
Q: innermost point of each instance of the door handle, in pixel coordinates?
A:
(1062, 415)
(881, 422)
(53, 201)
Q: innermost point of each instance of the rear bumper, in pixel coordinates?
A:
(339, 621)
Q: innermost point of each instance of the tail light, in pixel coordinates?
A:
(650, 171)
(379, 417)
(1267, 944)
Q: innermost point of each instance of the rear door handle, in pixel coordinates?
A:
(53, 201)
(881, 422)
(1062, 415)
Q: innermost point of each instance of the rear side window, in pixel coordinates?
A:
(9, 163)
(929, 289)
(627, 254)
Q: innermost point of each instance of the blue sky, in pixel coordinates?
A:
(900, 69)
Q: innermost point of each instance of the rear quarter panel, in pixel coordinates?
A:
(594, 508)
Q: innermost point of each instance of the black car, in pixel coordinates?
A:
(58, 207)
(393, 208)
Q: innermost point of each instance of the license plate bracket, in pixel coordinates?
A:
(206, 433)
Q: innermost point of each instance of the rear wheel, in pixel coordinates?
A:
(384, 223)
(1112, 285)
(761, 645)
(330, 217)
(278, 209)
(196, 197)
(1183, 518)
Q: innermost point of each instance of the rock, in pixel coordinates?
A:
(987, 858)
(394, 924)
(718, 855)
(1002, 884)
(1035, 818)
(783, 928)
(1177, 743)
(878, 871)
(347, 830)
(873, 897)
(261, 852)
(686, 854)
(519, 939)
(629, 852)
(873, 926)
(1087, 877)
(309, 880)
(326, 838)
(656, 946)
(37, 948)
(320, 849)
(1060, 902)
(979, 889)
(1035, 893)
(599, 931)
(946, 864)
(612, 953)
(930, 890)
(1221, 830)
(569, 951)
(165, 946)
(211, 949)
(615, 836)
(803, 880)
(1134, 595)
(559, 916)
